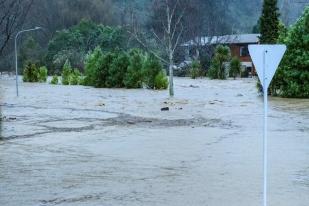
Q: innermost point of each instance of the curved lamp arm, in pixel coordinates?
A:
(16, 61)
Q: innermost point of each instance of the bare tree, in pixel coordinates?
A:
(13, 14)
(167, 30)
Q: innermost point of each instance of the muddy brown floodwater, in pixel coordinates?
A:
(74, 145)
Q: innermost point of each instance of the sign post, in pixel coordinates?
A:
(266, 59)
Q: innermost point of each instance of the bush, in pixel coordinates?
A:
(102, 72)
(292, 77)
(93, 63)
(152, 67)
(42, 74)
(30, 73)
(66, 72)
(195, 70)
(160, 81)
(75, 77)
(70, 76)
(121, 69)
(217, 69)
(213, 70)
(117, 69)
(235, 67)
(54, 80)
(134, 77)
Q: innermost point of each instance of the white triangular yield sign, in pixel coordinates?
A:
(266, 57)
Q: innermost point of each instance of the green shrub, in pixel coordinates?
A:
(217, 69)
(93, 63)
(292, 77)
(235, 67)
(117, 69)
(212, 73)
(70, 76)
(75, 77)
(195, 70)
(42, 74)
(160, 81)
(66, 72)
(134, 77)
(152, 67)
(54, 80)
(30, 73)
(120, 69)
(102, 71)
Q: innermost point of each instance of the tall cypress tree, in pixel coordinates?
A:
(269, 22)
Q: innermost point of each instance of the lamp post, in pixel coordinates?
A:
(16, 58)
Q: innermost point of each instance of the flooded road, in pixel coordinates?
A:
(73, 145)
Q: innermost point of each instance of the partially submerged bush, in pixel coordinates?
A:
(117, 69)
(195, 70)
(75, 77)
(120, 69)
(152, 68)
(54, 80)
(134, 77)
(160, 81)
(218, 69)
(66, 71)
(70, 76)
(42, 74)
(102, 72)
(235, 67)
(32, 73)
(92, 65)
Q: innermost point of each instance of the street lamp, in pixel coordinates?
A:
(16, 60)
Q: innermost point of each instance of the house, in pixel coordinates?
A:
(238, 44)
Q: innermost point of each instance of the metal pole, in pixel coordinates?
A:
(16, 64)
(16, 57)
(265, 90)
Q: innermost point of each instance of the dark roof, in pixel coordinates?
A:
(226, 39)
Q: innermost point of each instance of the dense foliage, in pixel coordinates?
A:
(218, 68)
(269, 22)
(292, 78)
(54, 80)
(75, 42)
(134, 76)
(32, 73)
(70, 76)
(235, 67)
(154, 77)
(30, 51)
(195, 70)
(42, 74)
(133, 69)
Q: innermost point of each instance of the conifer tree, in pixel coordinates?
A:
(269, 20)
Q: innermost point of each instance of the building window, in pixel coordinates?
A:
(244, 51)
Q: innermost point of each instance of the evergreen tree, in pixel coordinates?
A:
(269, 20)
(292, 78)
